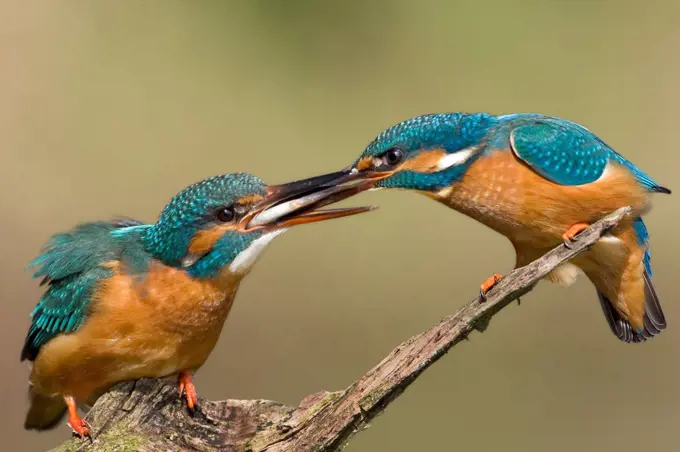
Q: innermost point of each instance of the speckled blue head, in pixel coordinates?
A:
(423, 141)
(201, 207)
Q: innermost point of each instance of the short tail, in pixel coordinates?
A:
(654, 320)
(44, 412)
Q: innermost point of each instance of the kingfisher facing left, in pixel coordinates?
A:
(127, 300)
(539, 181)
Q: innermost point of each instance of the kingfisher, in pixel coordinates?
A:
(539, 181)
(126, 300)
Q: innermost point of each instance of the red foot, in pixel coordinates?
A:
(572, 232)
(187, 388)
(79, 426)
(488, 285)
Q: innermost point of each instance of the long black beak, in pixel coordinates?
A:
(299, 202)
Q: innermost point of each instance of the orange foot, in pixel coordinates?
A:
(187, 388)
(570, 236)
(79, 426)
(488, 285)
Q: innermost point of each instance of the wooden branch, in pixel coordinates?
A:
(147, 414)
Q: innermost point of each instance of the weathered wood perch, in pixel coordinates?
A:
(147, 415)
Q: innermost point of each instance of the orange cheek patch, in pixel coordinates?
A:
(205, 239)
(366, 163)
(424, 162)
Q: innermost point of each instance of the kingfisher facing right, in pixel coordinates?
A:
(127, 300)
(539, 181)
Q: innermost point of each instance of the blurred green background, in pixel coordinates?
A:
(110, 108)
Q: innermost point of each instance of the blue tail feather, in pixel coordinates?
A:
(642, 236)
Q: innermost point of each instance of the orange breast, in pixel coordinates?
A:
(152, 327)
(508, 196)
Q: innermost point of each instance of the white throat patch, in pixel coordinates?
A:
(455, 158)
(246, 258)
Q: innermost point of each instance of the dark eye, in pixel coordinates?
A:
(225, 214)
(393, 156)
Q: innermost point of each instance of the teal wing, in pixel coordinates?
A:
(71, 266)
(564, 154)
(62, 309)
(567, 153)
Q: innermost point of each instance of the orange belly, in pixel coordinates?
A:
(153, 327)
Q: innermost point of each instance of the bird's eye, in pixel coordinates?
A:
(393, 156)
(225, 214)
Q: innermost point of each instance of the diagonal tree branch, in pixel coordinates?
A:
(147, 415)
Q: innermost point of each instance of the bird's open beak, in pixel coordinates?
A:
(300, 202)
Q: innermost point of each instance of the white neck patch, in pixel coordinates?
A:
(455, 158)
(246, 258)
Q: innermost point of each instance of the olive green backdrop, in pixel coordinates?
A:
(110, 108)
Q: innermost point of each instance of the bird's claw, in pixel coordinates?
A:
(187, 389)
(571, 235)
(80, 427)
(487, 285)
